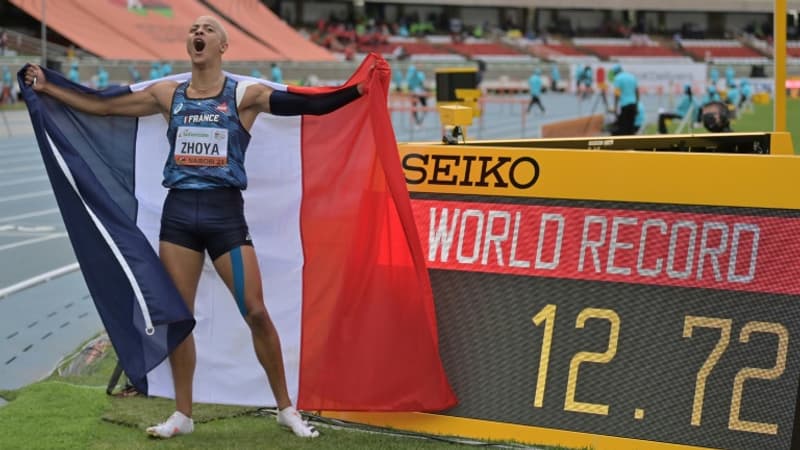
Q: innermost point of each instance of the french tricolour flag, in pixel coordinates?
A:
(344, 277)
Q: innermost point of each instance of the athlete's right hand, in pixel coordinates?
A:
(34, 77)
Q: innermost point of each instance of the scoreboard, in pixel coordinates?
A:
(612, 299)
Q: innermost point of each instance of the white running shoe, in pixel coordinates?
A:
(290, 418)
(177, 424)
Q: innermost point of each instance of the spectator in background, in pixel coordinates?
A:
(677, 41)
(3, 42)
(410, 73)
(134, 73)
(711, 95)
(399, 53)
(584, 81)
(155, 70)
(578, 78)
(713, 75)
(733, 95)
(456, 28)
(402, 30)
(638, 36)
(415, 81)
(732, 98)
(74, 74)
(350, 52)
(730, 76)
(276, 74)
(685, 105)
(6, 91)
(166, 69)
(479, 76)
(102, 78)
(535, 86)
(626, 100)
(746, 93)
(477, 31)
(255, 73)
(555, 78)
(641, 116)
(397, 79)
(600, 78)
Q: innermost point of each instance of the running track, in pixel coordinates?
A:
(45, 308)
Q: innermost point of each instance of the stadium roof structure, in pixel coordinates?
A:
(157, 30)
(739, 6)
(266, 27)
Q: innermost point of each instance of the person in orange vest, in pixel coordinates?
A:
(600, 78)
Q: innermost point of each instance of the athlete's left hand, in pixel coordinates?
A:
(379, 68)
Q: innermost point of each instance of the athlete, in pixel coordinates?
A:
(204, 209)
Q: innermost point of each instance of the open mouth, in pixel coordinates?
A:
(199, 44)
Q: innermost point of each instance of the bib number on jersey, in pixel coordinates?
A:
(200, 146)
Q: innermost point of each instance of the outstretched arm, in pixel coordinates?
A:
(260, 98)
(142, 103)
(292, 104)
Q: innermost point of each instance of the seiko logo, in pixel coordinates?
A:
(471, 170)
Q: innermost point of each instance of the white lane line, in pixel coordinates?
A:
(22, 169)
(43, 212)
(18, 150)
(21, 159)
(24, 196)
(32, 241)
(41, 278)
(15, 230)
(15, 152)
(23, 181)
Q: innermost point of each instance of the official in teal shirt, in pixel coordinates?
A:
(626, 96)
(535, 86)
(685, 104)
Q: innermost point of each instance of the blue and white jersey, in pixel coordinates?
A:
(207, 141)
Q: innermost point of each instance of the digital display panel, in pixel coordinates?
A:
(667, 323)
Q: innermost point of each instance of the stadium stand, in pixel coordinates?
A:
(487, 50)
(793, 49)
(765, 47)
(411, 48)
(85, 30)
(628, 49)
(258, 21)
(420, 35)
(109, 30)
(722, 51)
(554, 50)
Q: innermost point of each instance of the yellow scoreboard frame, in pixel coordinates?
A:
(725, 192)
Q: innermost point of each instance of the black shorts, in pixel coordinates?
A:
(202, 220)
